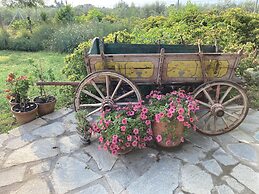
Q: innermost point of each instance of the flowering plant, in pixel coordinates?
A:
(126, 128)
(17, 88)
(172, 107)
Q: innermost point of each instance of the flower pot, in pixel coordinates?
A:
(84, 136)
(172, 133)
(45, 107)
(27, 116)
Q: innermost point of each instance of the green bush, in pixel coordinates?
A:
(24, 44)
(4, 39)
(65, 14)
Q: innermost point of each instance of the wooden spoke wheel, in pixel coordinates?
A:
(223, 106)
(103, 90)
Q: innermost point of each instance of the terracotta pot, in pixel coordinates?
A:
(170, 131)
(25, 117)
(46, 108)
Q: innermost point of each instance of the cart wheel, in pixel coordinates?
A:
(104, 90)
(223, 106)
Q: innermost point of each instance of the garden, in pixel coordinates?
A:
(49, 43)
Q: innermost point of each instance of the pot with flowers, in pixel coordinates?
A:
(24, 111)
(125, 129)
(173, 114)
(45, 102)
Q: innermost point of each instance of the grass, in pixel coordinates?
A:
(18, 62)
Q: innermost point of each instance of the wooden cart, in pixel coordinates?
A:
(116, 70)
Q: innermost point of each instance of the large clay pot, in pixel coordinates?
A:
(170, 131)
(25, 117)
(46, 108)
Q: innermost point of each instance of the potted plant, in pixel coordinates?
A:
(173, 114)
(12, 95)
(124, 129)
(24, 111)
(45, 102)
(83, 127)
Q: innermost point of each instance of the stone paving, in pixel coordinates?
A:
(46, 156)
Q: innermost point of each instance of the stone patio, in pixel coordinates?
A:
(45, 156)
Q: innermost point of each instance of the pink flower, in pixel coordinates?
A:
(127, 144)
(129, 137)
(180, 111)
(169, 115)
(161, 114)
(101, 139)
(150, 138)
(145, 138)
(148, 122)
(157, 118)
(143, 117)
(182, 139)
(149, 131)
(114, 152)
(158, 138)
(114, 141)
(134, 143)
(123, 128)
(180, 118)
(159, 97)
(130, 113)
(105, 147)
(191, 107)
(168, 142)
(144, 110)
(191, 119)
(124, 121)
(135, 131)
(115, 137)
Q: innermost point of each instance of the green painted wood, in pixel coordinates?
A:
(122, 48)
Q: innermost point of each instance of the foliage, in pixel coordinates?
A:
(75, 69)
(65, 14)
(174, 106)
(82, 122)
(127, 127)
(95, 14)
(43, 16)
(4, 39)
(23, 3)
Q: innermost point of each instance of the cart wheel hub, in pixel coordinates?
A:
(217, 110)
(107, 104)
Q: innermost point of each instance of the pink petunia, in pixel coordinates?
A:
(180, 111)
(114, 152)
(168, 142)
(115, 137)
(124, 121)
(150, 138)
(101, 139)
(134, 143)
(144, 110)
(127, 144)
(143, 117)
(180, 118)
(191, 120)
(123, 128)
(149, 131)
(105, 147)
(159, 97)
(157, 118)
(161, 114)
(169, 115)
(148, 122)
(129, 137)
(135, 131)
(182, 139)
(158, 138)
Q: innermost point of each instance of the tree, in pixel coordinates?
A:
(65, 14)
(23, 3)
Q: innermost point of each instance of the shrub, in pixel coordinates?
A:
(65, 14)
(24, 44)
(4, 39)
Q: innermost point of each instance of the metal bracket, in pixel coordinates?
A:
(160, 66)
